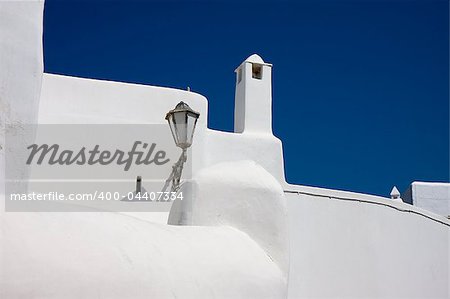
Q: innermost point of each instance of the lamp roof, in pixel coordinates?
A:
(182, 107)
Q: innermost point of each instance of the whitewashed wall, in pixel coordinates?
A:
(434, 197)
(342, 244)
(21, 68)
(364, 247)
(70, 100)
(347, 245)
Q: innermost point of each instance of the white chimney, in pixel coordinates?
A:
(253, 99)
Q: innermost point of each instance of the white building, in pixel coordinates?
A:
(433, 197)
(246, 233)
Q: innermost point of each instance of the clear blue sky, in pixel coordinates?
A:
(360, 88)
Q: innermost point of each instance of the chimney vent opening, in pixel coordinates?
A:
(257, 71)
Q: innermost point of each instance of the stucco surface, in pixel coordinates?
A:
(21, 68)
(109, 255)
(434, 197)
(353, 249)
(70, 100)
(362, 247)
(241, 194)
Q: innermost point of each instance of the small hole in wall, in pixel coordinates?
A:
(256, 71)
(239, 79)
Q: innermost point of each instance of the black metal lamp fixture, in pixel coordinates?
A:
(182, 121)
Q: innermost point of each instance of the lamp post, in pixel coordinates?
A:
(182, 121)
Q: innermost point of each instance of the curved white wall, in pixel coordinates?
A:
(71, 100)
(347, 245)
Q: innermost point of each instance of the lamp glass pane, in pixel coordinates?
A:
(172, 128)
(191, 122)
(181, 127)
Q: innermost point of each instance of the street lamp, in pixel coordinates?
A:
(182, 121)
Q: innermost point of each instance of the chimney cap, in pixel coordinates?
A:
(254, 58)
